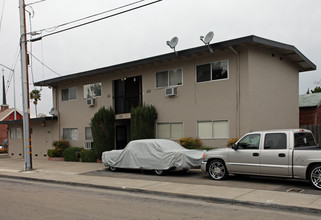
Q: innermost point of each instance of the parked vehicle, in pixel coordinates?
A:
(153, 154)
(290, 153)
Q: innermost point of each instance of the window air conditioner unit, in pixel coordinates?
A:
(170, 91)
(91, 102)
(88, 145)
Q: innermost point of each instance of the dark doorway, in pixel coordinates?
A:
(128, 94)
(121, 136)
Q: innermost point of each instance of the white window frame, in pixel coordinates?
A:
(170, 129)
(92, 95)
(213, 130)
(69, 98)
(74, 137)
(168, 78)
(211, 68)
(86, 138)
(15, 133)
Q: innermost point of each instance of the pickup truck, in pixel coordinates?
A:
(290, 153)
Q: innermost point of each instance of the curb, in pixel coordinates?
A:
(203, 198)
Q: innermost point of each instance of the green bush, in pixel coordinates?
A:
(143, 119)
(52, 153)
(191, 143)
(60, 146)
(103, 130)
(72, 154)
(87, 156)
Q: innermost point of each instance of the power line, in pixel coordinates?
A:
(93, 21)
(43, 64)
(2, 13)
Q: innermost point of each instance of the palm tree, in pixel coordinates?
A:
(36, 96)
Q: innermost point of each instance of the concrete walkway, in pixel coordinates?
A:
(75, 173)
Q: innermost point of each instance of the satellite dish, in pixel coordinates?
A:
(209, 36)
(172, 43)
(53, 111)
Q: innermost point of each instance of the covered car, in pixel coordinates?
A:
(153, 154)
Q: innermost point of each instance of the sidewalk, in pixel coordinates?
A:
(73, 173)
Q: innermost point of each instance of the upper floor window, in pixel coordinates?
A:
(92, 90)
(88, 133)
(69, 94)
(212, 71)
(168, 78)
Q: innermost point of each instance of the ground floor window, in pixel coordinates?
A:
(213, 129)
(15, 133)
(170, 130)
(70, 134)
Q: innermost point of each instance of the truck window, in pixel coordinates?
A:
(251, 141)
(275, 141)
(303, 139)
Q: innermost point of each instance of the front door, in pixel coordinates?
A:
(121, 136)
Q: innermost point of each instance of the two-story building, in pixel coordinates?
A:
(245, 84)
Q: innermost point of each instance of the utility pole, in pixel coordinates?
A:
(25, 88)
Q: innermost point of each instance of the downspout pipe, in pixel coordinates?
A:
(238, 91)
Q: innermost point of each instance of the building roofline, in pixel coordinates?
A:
(303, 62)
(20, 121)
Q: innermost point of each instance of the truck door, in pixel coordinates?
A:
(246, 159)
(275, 156)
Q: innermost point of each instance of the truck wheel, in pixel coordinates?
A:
(217, 170)
(315, 176)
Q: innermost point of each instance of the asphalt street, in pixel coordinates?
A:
(197, 177)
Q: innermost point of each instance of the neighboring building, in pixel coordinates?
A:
(310, 109)
(7, 114)
(241, 86)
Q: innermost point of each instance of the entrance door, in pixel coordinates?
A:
(121, 136)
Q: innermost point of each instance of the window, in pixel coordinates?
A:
(213, 129)
(88, 133)
(170, 130)
(275, 141)
(92, 90)
(69, 94)
(168, 78)
(303, 139)
(15, 133)
(212, 71)
(70, 134)
(249, 142)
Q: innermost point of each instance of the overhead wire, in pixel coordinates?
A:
(2, 13)
(93, 21)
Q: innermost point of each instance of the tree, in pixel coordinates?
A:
(143, 119)
(102, 127)
(316, 89)
(36, 96)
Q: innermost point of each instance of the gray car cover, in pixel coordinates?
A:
(152, 154)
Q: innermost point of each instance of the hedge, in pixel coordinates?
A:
(72, 153)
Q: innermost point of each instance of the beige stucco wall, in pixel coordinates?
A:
(268, 94)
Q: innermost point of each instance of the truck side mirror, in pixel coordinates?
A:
(234, 147)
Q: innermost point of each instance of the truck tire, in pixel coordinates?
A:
(315, 176)
(217, 170)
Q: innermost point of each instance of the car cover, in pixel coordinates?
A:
(152, 154)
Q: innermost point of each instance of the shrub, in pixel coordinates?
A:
(231, 142)
(87, 156)
(143, 119)
(60, 146)
(72, 154)
(191, 143)
(52, 153)
(102, 126)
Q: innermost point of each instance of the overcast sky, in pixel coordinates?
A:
(143, 33)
